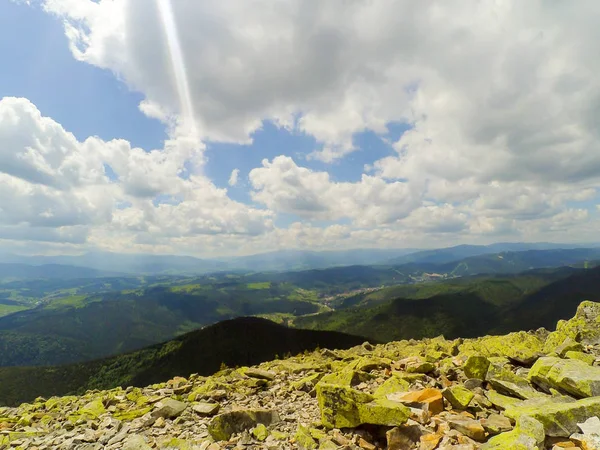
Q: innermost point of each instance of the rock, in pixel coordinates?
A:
(581, 328)
(206, 409)
(569, 375)
(92, 410)
(391, 385)
(528, 434)
(260, 432)
(303, 438)
(429, 441)
(418, 365)
(308, 383)
(495, 424)
(429, 399)
(260, 374)
(568, 345)
(346, 378)
(221, 427)
(400, 438)
(521, 347)
(473, 383)
(467, 426)
(458, 396)
(581, 356)
(169, 409)
(476, 366)
(344, 407)
(135, 442)
(501, 401)
(366, 445)
(504, 380)
(559, 418)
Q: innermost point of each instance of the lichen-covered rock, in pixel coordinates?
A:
(559, 418)
(569, 375)
(476, 366)
(581, 356)
(528, 434)
(303, 439)
(508, 382)
(458, 396)
(345, 378)
(260, 432)
(221, 427)
(521, 346)
(169, 408)
(467, 426)
(584, 327)
(344, 407)
(391, 385)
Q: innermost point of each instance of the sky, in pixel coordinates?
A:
(244, 126)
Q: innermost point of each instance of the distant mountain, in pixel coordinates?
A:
(18, 271)
(125, 263)
(449, 254)
(238, 342)
(287, 260)
(474, 311)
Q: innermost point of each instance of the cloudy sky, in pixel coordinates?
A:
(242, 126)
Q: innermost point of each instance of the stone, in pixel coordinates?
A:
(467, 426)
(569, 375)
(458, 396)
(344, 407)
(399, 438)
(496, 424)
(303, 438)
(135, 442)
(569, 344)
(559, 418)
(346, 378)
(521, 347)
(429, 441)
(221, 427)
(169, 409)
(260, 374)
(473, 384)
(504, 380)
(206, 409)
(92, 410)
(583, 327)
(391, 385)
(476, 366)
(429, 399)
(528, 434)
(581, 356)
(501, 401)
(260, 432)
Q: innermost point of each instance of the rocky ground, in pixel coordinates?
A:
(526, 390)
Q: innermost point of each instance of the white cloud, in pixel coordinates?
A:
(283, 186)
(55, 188)
(502, 99)
(233, 178)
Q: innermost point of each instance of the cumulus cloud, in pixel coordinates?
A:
(53, 187)
(233, 178)
(283, 186)
(502, 100)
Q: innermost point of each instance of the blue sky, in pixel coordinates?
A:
(479, 146)
(45, 72)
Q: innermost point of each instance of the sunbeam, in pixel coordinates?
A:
(167, 19)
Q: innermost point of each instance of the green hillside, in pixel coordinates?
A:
(237, 342)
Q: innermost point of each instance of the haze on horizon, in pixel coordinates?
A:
(235, 127)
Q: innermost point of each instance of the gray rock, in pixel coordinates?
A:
(569, 375)
(221, 427)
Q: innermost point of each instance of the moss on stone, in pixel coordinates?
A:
(458, 396)
(476, 366)
(260, 432)
(391, 385)
(528, 434)
(303, 438)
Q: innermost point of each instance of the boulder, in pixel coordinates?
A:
(476, 366)
(428, 399)
(169, 409)
(506, 381)
(458, 396)
(528, 434)
(344, 407)
(521, 347)
(583, 327)
(569, 375)
(558, 416)
(469, 427)
(221, 427)
(259, 373)
(206, 409)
